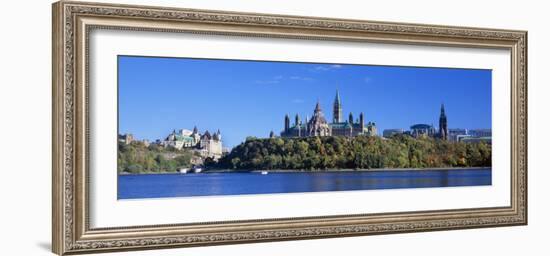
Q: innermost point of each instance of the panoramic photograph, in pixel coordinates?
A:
(212, 127)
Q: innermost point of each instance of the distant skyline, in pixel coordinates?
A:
(251, 98)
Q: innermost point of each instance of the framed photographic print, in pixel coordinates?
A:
(179, 127)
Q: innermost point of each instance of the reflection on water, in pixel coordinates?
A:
(205, 184)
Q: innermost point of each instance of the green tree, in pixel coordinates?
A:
(361, 152)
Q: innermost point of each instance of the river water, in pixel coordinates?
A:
(224, 183)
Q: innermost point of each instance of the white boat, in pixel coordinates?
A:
(264, 172)
(198, 169)
(183, 170)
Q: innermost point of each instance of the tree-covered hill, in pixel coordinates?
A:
(138, 158)
(362, 152)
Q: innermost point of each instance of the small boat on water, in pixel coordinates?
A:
(194, 169)
(264, 172)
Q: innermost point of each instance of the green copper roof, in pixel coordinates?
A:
(184, 138)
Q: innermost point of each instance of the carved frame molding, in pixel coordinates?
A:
(72, 22)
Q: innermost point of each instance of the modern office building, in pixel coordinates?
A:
(422, 130)
(387, 133)
(480, 133)
(456, 132)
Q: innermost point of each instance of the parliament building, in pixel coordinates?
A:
(318, 125)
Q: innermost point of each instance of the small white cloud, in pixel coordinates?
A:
(280, 78)
(327, 67)
(266, 81)
(322, 68)
(273, 80)
(297, 101)
(367, 80)
(301, 78)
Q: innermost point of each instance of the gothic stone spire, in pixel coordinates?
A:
(318, 107)
(443, 130)
(337, 109)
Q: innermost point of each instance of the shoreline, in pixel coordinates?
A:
(322, 171)
(362, 170)
(146, 173)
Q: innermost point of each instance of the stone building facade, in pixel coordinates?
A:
(182, 139)
(211, 145)
(206, 144)
(319, 126)
(126, 138)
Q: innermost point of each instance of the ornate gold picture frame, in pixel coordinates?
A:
(72, 24)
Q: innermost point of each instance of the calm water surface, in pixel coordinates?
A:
(205, 184)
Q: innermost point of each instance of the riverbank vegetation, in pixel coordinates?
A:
(361, 152)
(136, 157)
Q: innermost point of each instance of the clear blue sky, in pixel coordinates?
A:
(251, 98)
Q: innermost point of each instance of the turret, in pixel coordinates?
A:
(317, 107)
(350, 118)
(287, 122)
(206, 135)
(362, 121)
(297, 120)
(219, 134)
